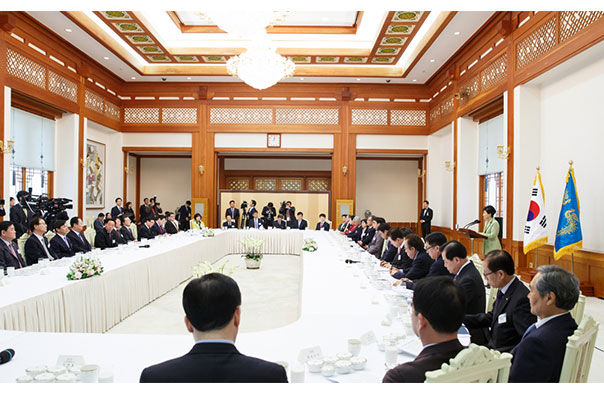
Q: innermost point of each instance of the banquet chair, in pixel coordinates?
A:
(478, 264)
(50, 235)
(21, 244)
(577, 311)
(491, 294)
(89, 234)
(579, 352)
(134, 230)
(474, 364)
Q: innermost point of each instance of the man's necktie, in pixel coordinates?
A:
(66, 243)
(532, 328)
(10, 246)
(44, 240)
(110, 239)
(82, 238)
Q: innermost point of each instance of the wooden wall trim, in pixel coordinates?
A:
(455, 161)
(125, 179)
(155, 149)
(275, 150)
(138, 188)
(390, 151)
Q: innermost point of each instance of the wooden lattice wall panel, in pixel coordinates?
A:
(538, 43)
(112, 111)
(447, 105)
(291, 185)
(470, 89)
(406, 117)
(317, 185)
(94, 102)
(62, 86)
(26, 69)
(241, 116)
(141, 115)
(265, 184)
(239, 184)
(494, 73)
(572, 22)
(187, 115)
(370, 117)
(435, 114)
(322, 116)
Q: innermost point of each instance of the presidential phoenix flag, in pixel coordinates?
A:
(535, 230)
(568, 235)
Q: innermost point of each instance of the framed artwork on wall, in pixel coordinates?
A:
(95, 174)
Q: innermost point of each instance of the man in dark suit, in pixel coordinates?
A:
(425, 219)
(377, 243)
(21, 213)
(539, 355)
(158, 227)
(468, 277)
(118, 209)
(234, 212)
(421, 261)
(212, 307)
(99, 223)
(106, 238)
(184, 215)
(250, 212)
(280, 223)
(390, 249)
(79, 243)
(322, 225)
(434, 241)
(9, 250)
(254, 221)
(59, 244)
(436, 313)
(229, 222)
(268, 213)
(145, 230)
(369, 234)
(511, 314)
(117, 231)
(345, 223)
(357, 230)
(289, 214)
(36, 246)
(299, 223)
(171, 225)
(126, 231)
(396, 241)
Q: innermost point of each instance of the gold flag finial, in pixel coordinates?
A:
(571, 163)
(538, 168)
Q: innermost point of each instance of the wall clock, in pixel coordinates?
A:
(274, 140)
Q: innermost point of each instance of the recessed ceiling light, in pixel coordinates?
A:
(301, 79)
(132, 77)
(457, 33)
(105, 57)
(188, 77)
(432, 60)
(358, 79)
(68, 30)
(415, 80)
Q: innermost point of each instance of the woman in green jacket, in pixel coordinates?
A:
(491, 230)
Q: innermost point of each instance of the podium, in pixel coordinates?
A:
(472, 235)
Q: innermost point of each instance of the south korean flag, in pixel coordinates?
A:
(535, 230)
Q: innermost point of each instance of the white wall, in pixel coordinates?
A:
(259, 164)
(66, 160)
(158, 139)
(439, 186)
(467, 171)
(571, 128)
(240, 140)
(7, 127)
(169, 179)
(114, 160)
(372, 141)
(131, 184)
(388, 188)
(323, 141)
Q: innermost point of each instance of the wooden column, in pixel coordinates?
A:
(81, 146)
(455, 134)
(203, 154)
(138, 188)
(343, 185)
(509, 221)
(125, 184)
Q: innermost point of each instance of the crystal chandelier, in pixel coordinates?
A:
(260, 66)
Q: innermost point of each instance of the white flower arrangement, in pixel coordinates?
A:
(207, 232)
(85, 267)
(204, 268)
(252, 248)
(310, 245)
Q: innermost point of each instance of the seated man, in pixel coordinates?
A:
(212, 307)
(511, 314)
(355, 230)
(99, 223)
(117, 231)
(436, 314)
(254, 221)
(345, 223)
(171, 225)
(434, 241)
(145, 230)
(59, 244)
(368, 235)
(280, 223)
(229, 222)
(78, 242)
(539, 355)
(396, 241)
(126, 231)
(354, 222)
(36, 246)
(420, 261)
(468, 277)
(106, 238)
(299, 223)
(389, 251)
(9, 250)
(376, 244)
(158, 227)
(401, 261)
(322, 225)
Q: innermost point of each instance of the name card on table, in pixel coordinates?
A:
(368, 338)
(311, 353)
(70, 361)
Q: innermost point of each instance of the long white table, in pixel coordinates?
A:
(335, 308)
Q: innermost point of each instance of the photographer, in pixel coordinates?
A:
(269, 212)
(21, 213)
(2, 211)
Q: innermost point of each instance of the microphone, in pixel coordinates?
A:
(472, 223)
(6, 356)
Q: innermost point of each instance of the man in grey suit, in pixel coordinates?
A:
(377, 243)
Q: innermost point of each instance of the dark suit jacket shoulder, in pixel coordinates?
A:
(59, 248)
(101, 240)
(538, 357)
(126, 233)
(281, 226)
(430, 359)
(470, 280)
(420, 266)
(170, 227)
(6, 257)
(214, 363)
(77, 244)
(144, 232)
(34, 250)
(325, 226)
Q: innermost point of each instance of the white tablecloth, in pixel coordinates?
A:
(335, 308)
(133, 277)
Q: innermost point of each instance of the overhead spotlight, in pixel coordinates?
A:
(457, 33)
(301, 79)
(432, 60)
(415, 80)
(132, 77)
(188, 77)
(105, 57)
(358, 79)
(68, 30)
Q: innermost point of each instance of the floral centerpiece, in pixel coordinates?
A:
(207, 232)
(252, 255)
(310, 245)
(85, 267)
(204, 267)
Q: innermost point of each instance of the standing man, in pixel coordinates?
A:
(144, 210)
(59, 244)
(99, 223)
(184, 215)
(21, 214)
(78, 242)
(268, 213)
(289, 214)
(117, 210)
(9, 251)
(322, 225)
(250, 212)
(425, 219)
(234, 212)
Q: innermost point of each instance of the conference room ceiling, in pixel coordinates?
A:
(327, 46)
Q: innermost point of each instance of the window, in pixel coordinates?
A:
(492, 191)
(25, 178)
